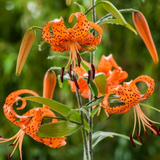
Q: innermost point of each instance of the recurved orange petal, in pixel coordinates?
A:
(59, 37)
(81, 29)
(144, 31)
(104, 65)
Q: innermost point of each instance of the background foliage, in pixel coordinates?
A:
(128, 50)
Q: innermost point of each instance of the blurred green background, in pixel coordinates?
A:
(128, 50)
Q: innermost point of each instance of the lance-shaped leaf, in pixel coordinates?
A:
(27, 42)
(80, 7)
(100, 80)
(117, 22)
(59, 108)
(114, 11)
(58, 129)
(144, 31)
(93, 88)
(100, 135)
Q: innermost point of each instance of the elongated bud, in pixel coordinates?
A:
(144, 31)
(27, 42)
(49, 83)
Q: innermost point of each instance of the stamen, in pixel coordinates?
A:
(9, 156)
(145, 132)
(131, 139)
(93, 71)
(75, 81)
(79, 59)
(70, 70)
(12, 144)
(62, 73)
(0, 136)
(89, 76)
(156, 129)
(139, 138)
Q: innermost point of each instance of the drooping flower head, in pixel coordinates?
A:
(131, 96)
(30, 121)
(78, 38)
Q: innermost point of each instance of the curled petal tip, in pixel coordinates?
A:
(142, 27)
(27, 42)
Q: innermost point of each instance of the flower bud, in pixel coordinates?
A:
(27, 42)
(144, 32)
(49, 83)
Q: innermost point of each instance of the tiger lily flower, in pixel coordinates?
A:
(130, 95)
(74, 39)
(30, 121)
(113, 78)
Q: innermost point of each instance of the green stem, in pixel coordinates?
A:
(84, 136)
(109, 14)
(90, 97)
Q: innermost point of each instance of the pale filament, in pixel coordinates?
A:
(143, 119)
(73, 54)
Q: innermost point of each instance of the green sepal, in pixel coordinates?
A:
(58, 129)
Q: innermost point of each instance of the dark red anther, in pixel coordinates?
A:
(108, 117)
(93, 71)
(12, 144)
(156, 129)
(75, 82)
(62, 73)
(0, 136)
(139, 138)
(9, 156)
(79, 59)
(89, 76)
(131, 139)
(145, 132)
(70, 70)
(159, 128)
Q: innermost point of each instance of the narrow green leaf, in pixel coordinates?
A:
(59, 108)
(100, 135)
(61, 128)
(95, 110)
(100, 80)
(94, 102)
(117, 22)
(80, 7)
(76, 110)
(114, 11)
(93, 88)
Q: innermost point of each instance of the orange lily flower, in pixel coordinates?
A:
(113, 78)
(74, 39)
(142, 27)
(31, 120)
(130, 95)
